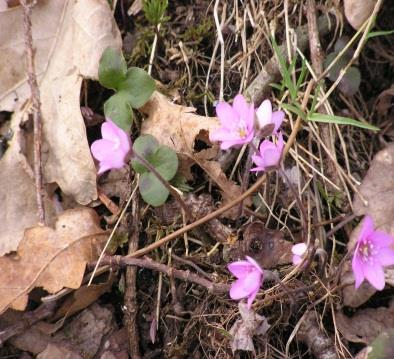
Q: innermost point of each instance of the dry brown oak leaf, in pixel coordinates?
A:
(51, 258)
(68, 40)
(377, 191)
(357, 11)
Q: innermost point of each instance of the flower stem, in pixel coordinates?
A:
(165, 183)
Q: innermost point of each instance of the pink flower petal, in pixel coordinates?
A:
(252, 281)
(264, 113)
(254, 264)
(385, 256)
(367, 228)
(251, 297)
(226, 114)
(101, 149)
(374, 274)
(277, 119)
(241, 106)
(299, 249)
(109, 131)
(220, 134)
(296, 259)
(381, 239)
(358, 271)
(237, 290)
(239, 269)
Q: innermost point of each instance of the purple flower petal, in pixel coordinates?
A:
(241, 106)
(252, 281)
(299, 249)
(101, 149)
(226, 114)
(251, 297)
(239, 269)
(381, 239)
(358, 271)
(264, 114)
(237, 290)
(277, 119)
(385, 256)
(296, 259)
(254, 264)
(374, 274)
(367, 227)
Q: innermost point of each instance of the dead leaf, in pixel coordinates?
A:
(18, 195)
(59, 350)
(68, 38)
(357, 11)
(378, 192)
(246, 328)
(88, 329)
(83, 297)
(266, 246)
(366, 324)
(174, 125)
(177, 127)
(229, 189)
(385, 101)
(51, 258)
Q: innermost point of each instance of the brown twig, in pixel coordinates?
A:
(130, 295)
(37, 116)
(185, 275)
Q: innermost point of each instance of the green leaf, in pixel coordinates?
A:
(152, 190)
(379, 33)
(294, 108)
(139, 87)
(165, 161)
(145, 146)
(117, 108)
(284, 70)
(112, 69)
(318, 117)
(383, 346)
(351, 81)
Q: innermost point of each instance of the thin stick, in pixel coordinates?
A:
(186, 275)
(130, 295)
(37, 116)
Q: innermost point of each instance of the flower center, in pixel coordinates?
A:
(367, 251)
(116, 144)
(241, 130)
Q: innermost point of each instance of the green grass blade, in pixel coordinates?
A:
(318, 117)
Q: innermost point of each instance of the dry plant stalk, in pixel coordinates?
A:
(37, 116)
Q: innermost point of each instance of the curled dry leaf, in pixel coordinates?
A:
(357, 11)
(246, 328)
(366, 324)
(68, 38)
(51, 258)
(266, 246)
(174, 125)
(377, 200)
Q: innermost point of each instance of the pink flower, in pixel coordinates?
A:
(250, 276)
(374, 250)
(269, 154)
(298, 250)
(265, 116)
(113, 149)
(236, 121)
